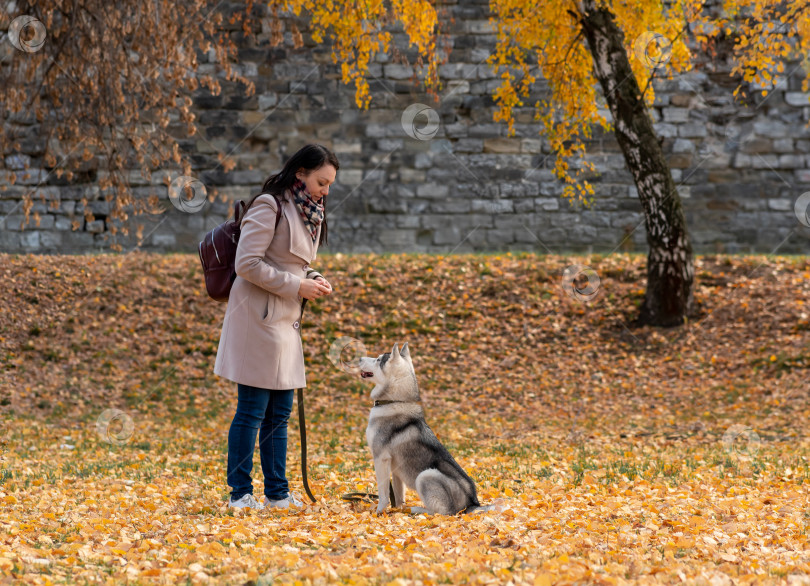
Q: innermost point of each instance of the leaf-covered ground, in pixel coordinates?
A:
(615, 453)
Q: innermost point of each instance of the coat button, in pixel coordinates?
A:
(295, 325)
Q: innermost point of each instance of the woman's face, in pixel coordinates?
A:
(318, 181)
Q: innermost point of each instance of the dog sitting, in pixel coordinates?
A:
(406, 452)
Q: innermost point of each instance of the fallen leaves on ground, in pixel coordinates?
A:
(614, 453)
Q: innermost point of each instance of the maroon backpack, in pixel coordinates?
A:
(218, 252)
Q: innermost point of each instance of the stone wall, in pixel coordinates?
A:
(469, 186)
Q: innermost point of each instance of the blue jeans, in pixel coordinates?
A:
(269, 410)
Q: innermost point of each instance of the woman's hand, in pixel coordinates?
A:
(325, 282)
(313, 288)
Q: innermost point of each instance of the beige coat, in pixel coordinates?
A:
(260, 343)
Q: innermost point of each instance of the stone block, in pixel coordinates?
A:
(451, 207)
(341, 148)
(30, 240)
(447, 235)
(502, 145)
(458, 130)
(350, 177)
(397, 71)
(24, 177)
(95, 227)
(675, 115)
(522, 189)
(497, 206)
(626, 220)
(548, 204)
(412, 175)
(803, 175)
(742, 161)
(714, 161)
(680, 161)
(457, 87)
(531, 145)
(485, 87)
(77, 241)
(780, 205)
(791, 161)
(423, 161)
(481, 190)
(784, 145)
(63, 223)
(797, 99)
(756, 144)
(500, 236)
(50, 240)
(524, 206)
(46, 222)
(268, 100)
(390, 144)
(584, 234)
(551, 188)
(692, 130)
(394, 238)
(665, 130)
(410, 220)
(18, 162)
(432, 190)
(479, 27)
(486, 130)
(163, 240)
(458, 71)
(387, 205)
(771, 128)
(15, 222)
(764, 161)
(480, 55)
(485, 70)
(514, 222)
(682, 145)
(681, 100)
(469, 145)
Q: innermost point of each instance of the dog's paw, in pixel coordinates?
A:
(418, 510)
(379, 510)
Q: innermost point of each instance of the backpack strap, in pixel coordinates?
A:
(240, 209)
(278, 209)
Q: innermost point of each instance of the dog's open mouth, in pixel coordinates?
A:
(366, 374)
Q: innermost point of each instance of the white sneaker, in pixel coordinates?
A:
(248, 501)
(285, 503)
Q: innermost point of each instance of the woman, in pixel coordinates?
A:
(260, 345)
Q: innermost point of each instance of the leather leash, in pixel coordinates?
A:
(303, 426)
(302, 423)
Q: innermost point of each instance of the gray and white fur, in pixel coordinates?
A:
(404, 448)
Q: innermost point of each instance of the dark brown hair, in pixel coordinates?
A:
(310, 158)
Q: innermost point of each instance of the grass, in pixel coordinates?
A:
(605, 441)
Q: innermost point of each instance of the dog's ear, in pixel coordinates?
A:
(405, 353)
(395, 353)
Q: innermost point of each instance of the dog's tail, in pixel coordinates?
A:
(478, 509)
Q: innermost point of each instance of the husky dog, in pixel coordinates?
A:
(404, 448)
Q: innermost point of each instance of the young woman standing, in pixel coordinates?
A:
(260, 345)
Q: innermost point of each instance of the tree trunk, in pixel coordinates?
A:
(670, 267)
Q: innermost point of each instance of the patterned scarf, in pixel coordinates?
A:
(311, 211)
